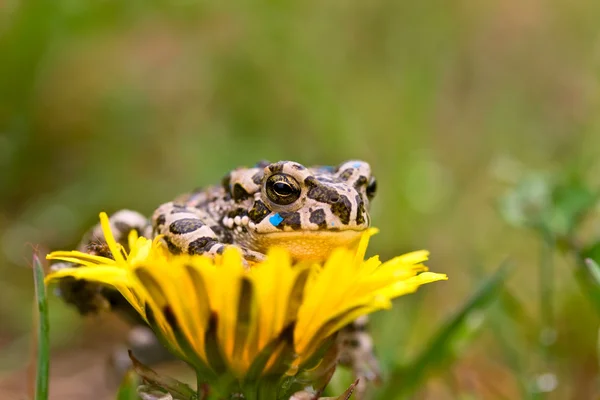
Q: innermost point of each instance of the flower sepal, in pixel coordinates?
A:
(155, 382)
(307, 395)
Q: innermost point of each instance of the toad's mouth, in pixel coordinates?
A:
(309, 245)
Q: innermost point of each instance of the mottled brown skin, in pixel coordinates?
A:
(309, 211)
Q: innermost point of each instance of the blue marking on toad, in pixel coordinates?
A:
(275, 219)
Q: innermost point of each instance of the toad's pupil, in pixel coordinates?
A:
(282, 188)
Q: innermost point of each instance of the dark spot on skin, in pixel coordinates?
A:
(82, 294)
(121, 226)
(354, 343)
(122, 229)
(223, 234)
(239, 193)
(298, 167)
(371, 188)
(360, 210)
(258, 212)
(172, 248)
(221, 250)
(355, 327)
(318, 217)
(291, 219)
(346, 174)
(226, 181)
(201, 245)
(257, 177)
(360, 182)
(319, 192)
(160, 220)
(276, 168)
(237, 212)
(340, 205)
(342, 209)
(185, 225)
(177, 209)
(201, 205)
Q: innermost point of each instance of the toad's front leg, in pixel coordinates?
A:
(355, 347)
(91, 297)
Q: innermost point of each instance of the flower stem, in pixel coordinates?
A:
(202, 390)
(199, 388)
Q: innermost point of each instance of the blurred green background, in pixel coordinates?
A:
(113, 104)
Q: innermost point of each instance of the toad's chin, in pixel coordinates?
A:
(309, 245)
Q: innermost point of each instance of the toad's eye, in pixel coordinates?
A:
(282, 189)
(371, 188)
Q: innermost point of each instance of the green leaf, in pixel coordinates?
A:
(556, 205)
(449, 341)
(571, 200)
(42, 331)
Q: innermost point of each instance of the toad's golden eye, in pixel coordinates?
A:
(282, 189)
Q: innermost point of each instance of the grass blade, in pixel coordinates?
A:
(587, 275)
(593, 270)
(504, 320)
(442, 348)
(43, 332)
(587, 272)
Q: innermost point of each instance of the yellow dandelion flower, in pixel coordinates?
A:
(240, 327)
